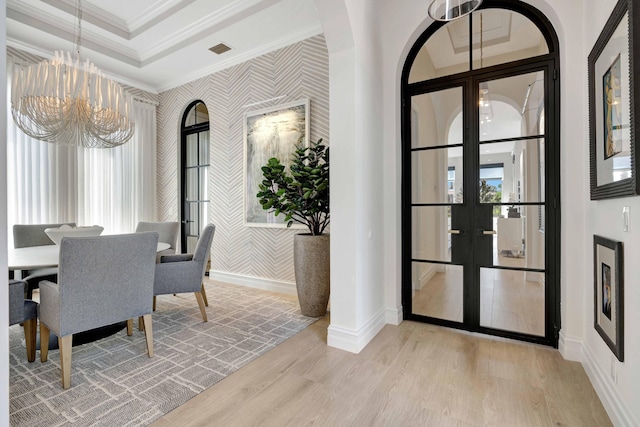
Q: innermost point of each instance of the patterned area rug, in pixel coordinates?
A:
(114, 383)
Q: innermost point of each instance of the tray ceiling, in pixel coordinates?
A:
(159, 44)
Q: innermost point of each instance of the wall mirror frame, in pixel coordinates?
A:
(614, 99)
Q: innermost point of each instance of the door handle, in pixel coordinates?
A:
(452, 231)
(485, 232)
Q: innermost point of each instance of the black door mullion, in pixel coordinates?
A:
(472, 168)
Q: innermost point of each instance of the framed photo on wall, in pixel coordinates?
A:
(271, 132)
(613, 106)
(608, 278)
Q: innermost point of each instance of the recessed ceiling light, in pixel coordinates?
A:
(220, 48)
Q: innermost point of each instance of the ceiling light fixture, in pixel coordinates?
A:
(67, 102)
(448, 10)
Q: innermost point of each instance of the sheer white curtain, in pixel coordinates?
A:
(114, 188)
(40, 176)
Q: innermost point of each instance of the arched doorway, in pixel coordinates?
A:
(194, 161)
(480, 195)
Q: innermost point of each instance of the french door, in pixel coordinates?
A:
(480, 201)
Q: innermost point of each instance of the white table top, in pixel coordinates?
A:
(44, 256)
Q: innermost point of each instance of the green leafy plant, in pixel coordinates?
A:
(302, 195)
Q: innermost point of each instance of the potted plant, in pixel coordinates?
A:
(302, 196)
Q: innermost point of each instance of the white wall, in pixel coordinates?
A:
(604, 218)
(357, 305)
(4, 297)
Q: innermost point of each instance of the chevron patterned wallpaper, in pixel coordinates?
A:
(300, 70)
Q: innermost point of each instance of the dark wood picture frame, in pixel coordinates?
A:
(608, 293)
(613, 163)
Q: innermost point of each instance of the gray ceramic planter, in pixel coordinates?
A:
(311, 264)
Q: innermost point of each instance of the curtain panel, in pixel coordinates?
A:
(114, 188)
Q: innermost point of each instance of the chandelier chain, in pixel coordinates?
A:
(481, 51)
(78, 32)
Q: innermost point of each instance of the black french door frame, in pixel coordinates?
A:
(185, 204)
(467, 217)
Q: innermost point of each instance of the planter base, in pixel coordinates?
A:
(312, 268)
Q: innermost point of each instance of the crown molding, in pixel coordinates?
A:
(92, 14)
(34, 18)
(278, 44)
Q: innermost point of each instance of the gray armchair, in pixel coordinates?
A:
(184, 273)
(26, 311)
(27, 235)
(102, 281)
(167, 233)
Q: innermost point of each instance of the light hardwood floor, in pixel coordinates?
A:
(409, 375)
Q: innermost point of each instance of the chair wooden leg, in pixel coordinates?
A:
(140, 324)
(129, 327)
(44, 342)
(154, 303)
(201, 305)
(30, 331)
(148, 333)
(65, 359)
(204, 296)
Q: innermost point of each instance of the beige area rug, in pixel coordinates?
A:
(114, 383)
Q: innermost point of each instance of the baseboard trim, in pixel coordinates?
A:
(254, 282)
(614, 405)
(355, 340)
(393, 316)
(570, 348)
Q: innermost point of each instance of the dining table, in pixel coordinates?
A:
(33, 257)
(48, 256)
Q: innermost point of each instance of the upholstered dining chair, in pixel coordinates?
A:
(28, 235)
(24, 311)
(183, 273)
(167, 233)
(101, 281)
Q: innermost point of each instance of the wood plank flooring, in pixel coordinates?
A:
(409, 375)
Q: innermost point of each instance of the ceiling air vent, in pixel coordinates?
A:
(219, 48)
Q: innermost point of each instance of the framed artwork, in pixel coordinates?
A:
(608, 301)
(612, 106)
(271, 132)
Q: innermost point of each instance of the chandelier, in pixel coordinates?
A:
(448, 10)
(69, 102)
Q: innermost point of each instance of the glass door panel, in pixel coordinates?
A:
(428, 123)
(511, 107)
(437, 249)
(430, 225)
(437, 176)
(438, 290)
(509, 217)
(512, 300)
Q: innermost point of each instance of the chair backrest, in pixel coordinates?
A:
(105, 280)
(27, 235)
(167, 231)
(203, 247)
